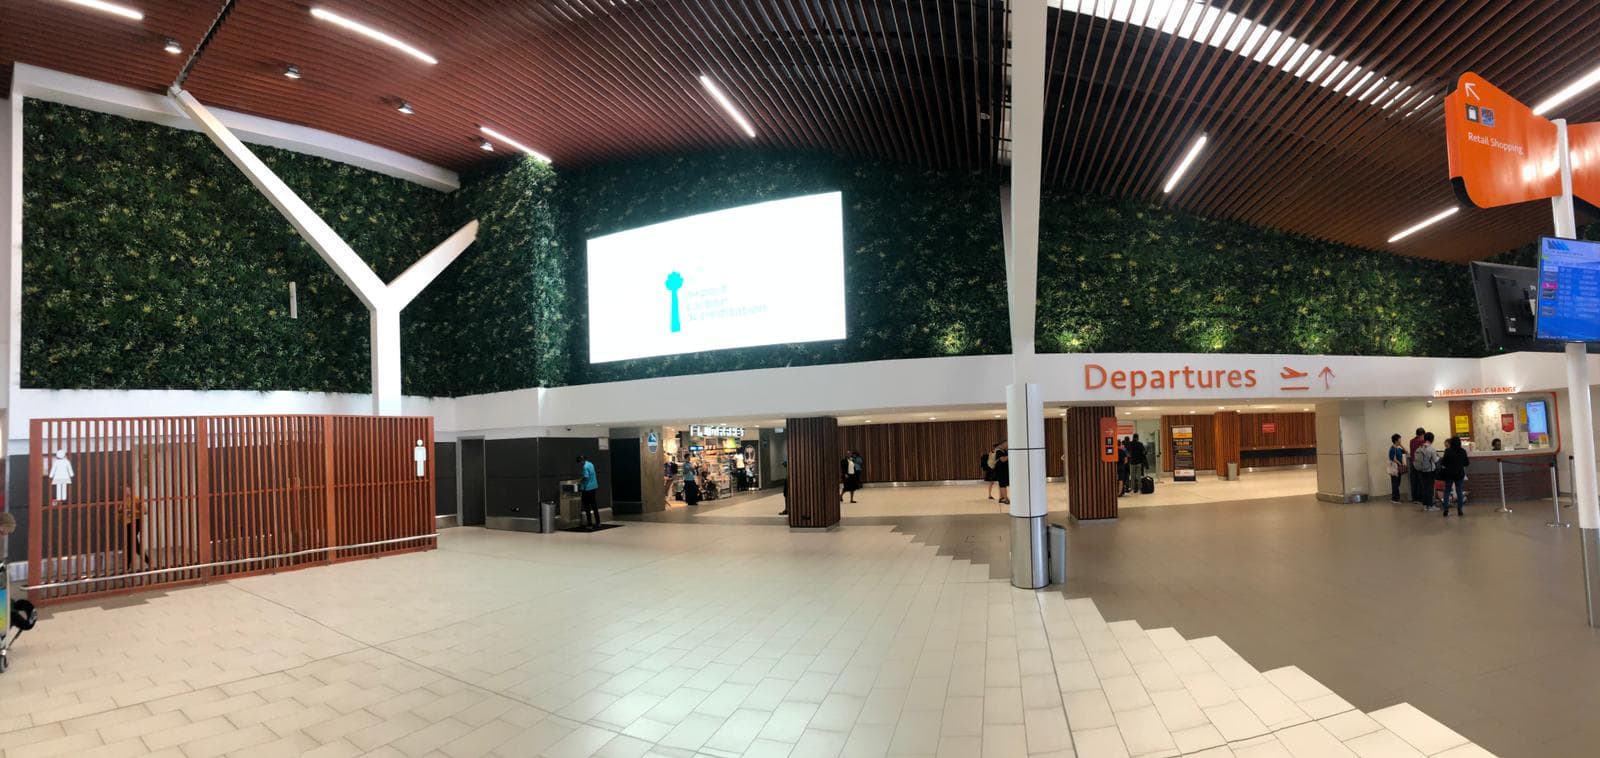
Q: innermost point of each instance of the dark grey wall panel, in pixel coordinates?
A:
(17, 505)
(444, 478)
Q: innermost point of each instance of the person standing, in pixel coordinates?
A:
(1423, 463)
(849, 476)
(1453, 471)
(590, 486)
(1124, 470)
(1416, 477)
(1397, 467)
(986, 465)
(1002, 474)
(691, 488)
(1137, 461)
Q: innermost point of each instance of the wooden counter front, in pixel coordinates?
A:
(1527, 476)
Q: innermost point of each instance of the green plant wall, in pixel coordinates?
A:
(1133, 277)
(924, 268)
(149, 262)
(498, 318)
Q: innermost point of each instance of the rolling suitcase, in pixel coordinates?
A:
(1147, 486)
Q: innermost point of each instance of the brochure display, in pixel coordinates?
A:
(1183, 454)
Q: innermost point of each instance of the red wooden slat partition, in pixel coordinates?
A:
(175, 500)
(1092, 486)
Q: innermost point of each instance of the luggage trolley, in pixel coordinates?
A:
(19, 614)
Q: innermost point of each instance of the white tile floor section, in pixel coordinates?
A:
(660, 640)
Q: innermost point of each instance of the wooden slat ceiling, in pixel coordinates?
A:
(587, 81)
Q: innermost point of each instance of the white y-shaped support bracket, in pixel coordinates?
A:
(384, 301)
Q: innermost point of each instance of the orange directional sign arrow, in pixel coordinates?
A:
(1583, 145)
(1500, 153)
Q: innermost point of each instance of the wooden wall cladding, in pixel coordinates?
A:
(1092, 486)
(1290, 430)
(936, 451)
(1205, 440)
(814, 455)
(1225, 435)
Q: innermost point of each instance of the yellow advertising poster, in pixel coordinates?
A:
(1463, 425)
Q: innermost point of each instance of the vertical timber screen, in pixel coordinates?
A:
(136, 503)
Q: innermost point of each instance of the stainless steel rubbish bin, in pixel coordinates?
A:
(1233, 471)
(1058, 554)
(547, 517)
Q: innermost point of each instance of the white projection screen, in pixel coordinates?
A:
(761, 274)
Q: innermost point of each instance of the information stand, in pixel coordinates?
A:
(1183, 454)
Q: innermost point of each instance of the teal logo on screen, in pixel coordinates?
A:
(675, 283)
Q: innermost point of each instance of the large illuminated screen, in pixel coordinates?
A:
(761, 274)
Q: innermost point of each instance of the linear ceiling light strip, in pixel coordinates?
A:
(194, 56)
(1229, 31)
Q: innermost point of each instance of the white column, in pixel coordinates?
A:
(385, 361)
(1582, 416)
(1020, 226)
(11, 238)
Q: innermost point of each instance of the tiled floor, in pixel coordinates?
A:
(664, 639)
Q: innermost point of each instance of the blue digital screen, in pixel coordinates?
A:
(1569, 290)
(1538, 425)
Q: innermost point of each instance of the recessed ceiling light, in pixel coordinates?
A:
(405, 107)
(869, 420)
(727, 105)
(1427, 222)
(518, 145)
(1183, 166)
(1579, 86)
(997, 415)
(485, 146)
(112, 8)
(1191, 413)
(933, 418)
(171, 45)
(372, 34)
(292, 71)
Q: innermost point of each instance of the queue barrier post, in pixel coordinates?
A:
(1555, 500)
(1500, 466)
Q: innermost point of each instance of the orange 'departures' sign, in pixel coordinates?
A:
(1096, 376)
(1500, 153)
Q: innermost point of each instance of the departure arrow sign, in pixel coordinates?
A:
(1472, 90)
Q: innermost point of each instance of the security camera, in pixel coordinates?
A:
(1430, 403)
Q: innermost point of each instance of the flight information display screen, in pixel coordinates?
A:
(1569, 290)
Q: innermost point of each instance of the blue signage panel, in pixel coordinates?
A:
(1569, 290)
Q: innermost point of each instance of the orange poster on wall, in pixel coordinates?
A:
(1500, 153)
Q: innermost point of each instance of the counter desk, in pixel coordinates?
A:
(1527, 474)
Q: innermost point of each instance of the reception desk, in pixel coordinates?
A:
(1527, 475)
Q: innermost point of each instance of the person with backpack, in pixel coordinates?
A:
(1423, 463)
(1137, 461)
(986, 465)
(1397, 467)
(1416, 479)
(1453, 471)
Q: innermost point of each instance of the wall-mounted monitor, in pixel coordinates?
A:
(761, 274)
(1569, 290)
(1538, 423)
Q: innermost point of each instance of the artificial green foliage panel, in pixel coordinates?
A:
(1132, 277)
(924, 267)
(150, 262)
(499, 317)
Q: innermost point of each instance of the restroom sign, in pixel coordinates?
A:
(1269, 427)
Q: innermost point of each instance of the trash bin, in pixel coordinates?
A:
(547, 517)
(1058, 554)
(1233, 471)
